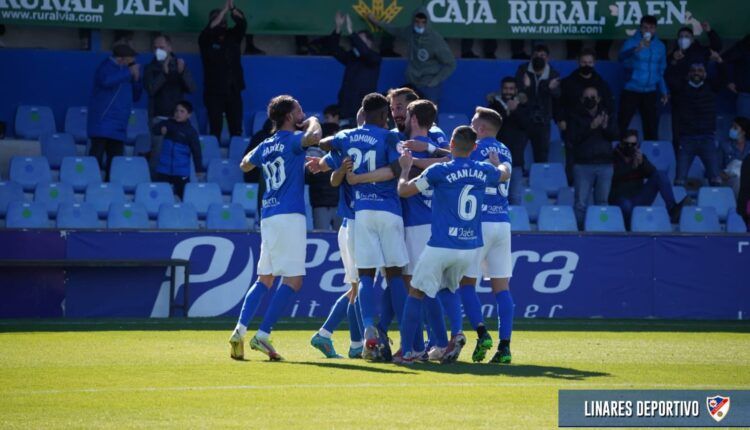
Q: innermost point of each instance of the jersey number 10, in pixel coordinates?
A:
(274, 173)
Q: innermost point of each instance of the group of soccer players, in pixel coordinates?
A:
(430, 216)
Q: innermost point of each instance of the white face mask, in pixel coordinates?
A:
(647, 36)
(685, 43)
(160, 54)
(418, 30)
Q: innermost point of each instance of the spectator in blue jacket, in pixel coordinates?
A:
(117, 84)
(644, 58)
(180, 142)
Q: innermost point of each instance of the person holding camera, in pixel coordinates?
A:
(636, 181)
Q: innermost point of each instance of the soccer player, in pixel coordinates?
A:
(458, 194)
(398, 101)
(283, 226)
(494, 259)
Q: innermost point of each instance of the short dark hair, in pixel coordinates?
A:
(332, 110)
(407, 92)
(162, 36)
(648, 19)
(374, 102)
(278, 108)
(420, 15)
(687, 29)
(541, 47)
(587, 52)
(185, 104)
(629, 133)
(508, 80)
(425, 112)
(464, 138)
(489, 116)
(744, 124)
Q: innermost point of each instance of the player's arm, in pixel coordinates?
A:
(312, 131)
(380, 175)
(421, 146)
(423, 163)
(325, 143)
(503, 168)
(338, 175)
(408, 187)
(250, 160)
(316, 164)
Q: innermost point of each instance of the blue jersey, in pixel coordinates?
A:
(435, 134)
(282, 159)
(495, 208)
(418, 209)
(459, 191)
(370, 148)
(346, 194)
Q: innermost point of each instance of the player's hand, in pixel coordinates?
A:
(554, 83)
(513, 104)
(494, 158)
(678, 55)
(352, 178)
(135, 71)
(716, 57)
(306, 123)
(347, 165)
(313, 164)
(415, 145)
(526, 80)
(406, 160)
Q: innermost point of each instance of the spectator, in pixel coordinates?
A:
(695, 110)
(571, 95)
(743, 199)
(431, 61)
(734, 151)
(591, 132)
(180, 142)
(166, 80)
(644, 58)
(361, 68)
(324, 198)
(636, 182)
(541, 85)
(738, 60)
(223, 79)
(117, 84)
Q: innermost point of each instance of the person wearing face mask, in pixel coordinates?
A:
(430, 59)
(644, 58)
(223, 77)
(734, 152)
(636, 182)
(361, 68)
(541, 85)
(570, 99)
(591, 132)
(695, 112)
(117, 85)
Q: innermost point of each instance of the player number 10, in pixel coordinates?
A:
(274, 173)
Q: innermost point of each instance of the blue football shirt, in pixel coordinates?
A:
(282, 159)
(437, 136)
(346, 194)
(495, 207)
(418, 209)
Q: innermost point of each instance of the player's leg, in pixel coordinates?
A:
(386, 311)
(409, 325)
(368, 257)
(355, 333)
(254, 296)
(322, 339)
(436, 325)
(500, 269)
(473, 308)
(460, 263)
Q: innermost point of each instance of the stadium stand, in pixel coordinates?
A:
(77, 216)
(52, 195)
(80, 172)
(237, 148)
(137, 124)
(32, 122)
(9, 192)
(557, 218)
(246, 195)
(177, 216)
(533, 199)
(604, 219)
(26, 215)
(720, 198)
(696, 219)
(650, 219)
(519, 218)
(202, 195)
(549, 177)
(127, 216)
(209, 149)
(30, 172)
(661, 155)
(152, 195)
(102, 195)
(56, 146)
(735, 224)
(130, 172)
(76, 118)
(449, 121)
(224, 173)
(226, 216)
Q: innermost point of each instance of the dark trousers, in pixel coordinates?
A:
(112, 148)
(178, 182)
(645, 103)
(539, 138)
(217, 106)
(657, 183)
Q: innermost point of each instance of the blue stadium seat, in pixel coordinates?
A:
(52, 195)
(9, 192)
(30, 172)
(554, 131)
(102, 195)
(557, 152)
(528, 157)
(549, 177)
(226, 216)
(76, 123)
(665, 126)
(566, 196)
(604, 219)
(26, 215)
(650, 219)
(77, 216)
(129, 171)
(449, 121)
(209, 150)
(137, 124)
(202, 195)
(80, 172)
(246, 195)
(557, 218)
(519, 218)
(661, 154)
(696, 219)
(697, 170)
(679, 194)
(259, 118)
(142, 145)
(34, 121)
(127, 216)
(152, 195)
(719, 198)
(735, 224)
(177, 216)
(57, 146)
(225, 173)
(237, 148)
(533, 199)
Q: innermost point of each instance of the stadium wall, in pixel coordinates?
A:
(555, 275)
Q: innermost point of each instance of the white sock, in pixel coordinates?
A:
(242, 329)
(325, 333)
(355, 345)
(262, 335)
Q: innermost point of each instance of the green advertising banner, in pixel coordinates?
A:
(496, 19)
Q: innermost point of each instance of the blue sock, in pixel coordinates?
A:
(505, 314)
(279, 302)
(351, 312)
(386, 310)
(358, 311)
(367, 297)
(337, 314)
(436, 322)
(452, 307)
(410, 320)
(253, 298)
(430, 335)
(472, 307)
(418, 344)
(398, 296)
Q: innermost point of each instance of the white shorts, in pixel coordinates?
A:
(346, 249)
(439, 268)
(494, 259)
(280, 250)
(379, 240)
(416, 239)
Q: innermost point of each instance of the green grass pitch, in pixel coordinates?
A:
(178, 374)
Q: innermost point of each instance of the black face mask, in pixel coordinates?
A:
(627, 149)
(538, 63)
(589, 102)
(586, 70)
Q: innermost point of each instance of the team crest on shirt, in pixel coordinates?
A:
(718, 407)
